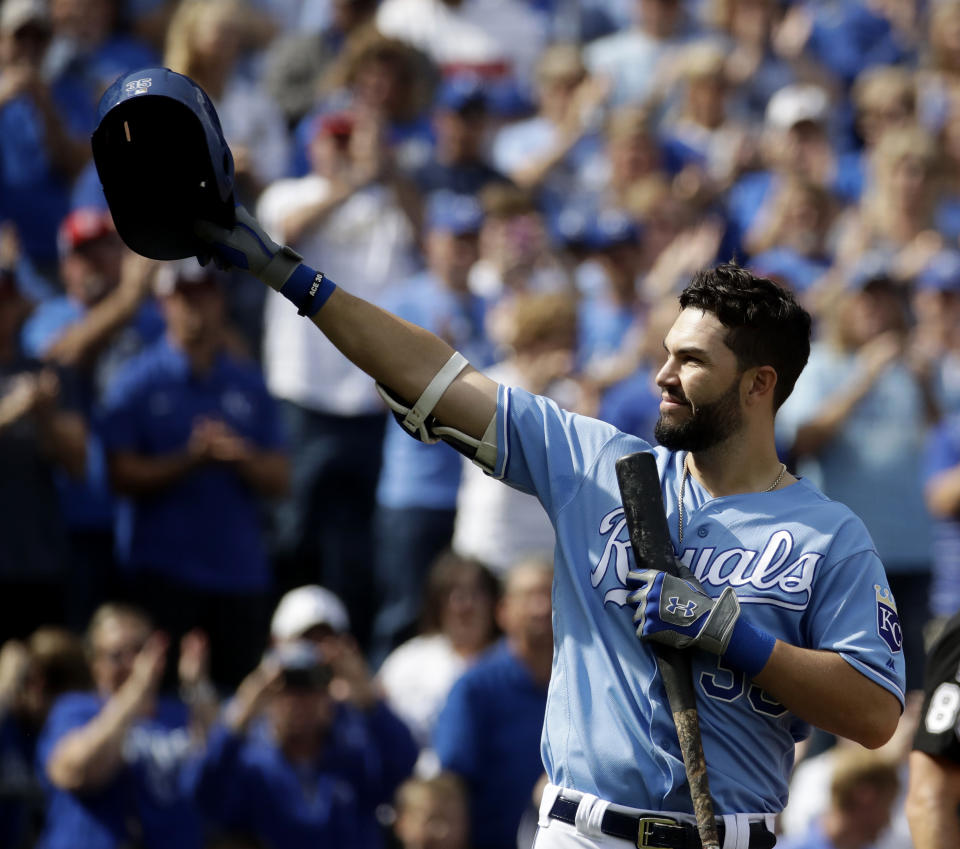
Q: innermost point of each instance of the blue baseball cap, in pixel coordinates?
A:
(592, 229)
(871, 268)
(941, 274)
(462, 93)
(163, 162)
(454, 213)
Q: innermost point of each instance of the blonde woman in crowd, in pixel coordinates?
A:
(206, 41)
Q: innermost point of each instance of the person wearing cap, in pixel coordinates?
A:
(104, 317)
(856, 424)
(797, 141)
(292, 766)
(460, 123)
(194, 445)
(44, 137)
(331, 411)
(417, 490)
(42, 433)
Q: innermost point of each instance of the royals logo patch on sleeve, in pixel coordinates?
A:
(888, 623)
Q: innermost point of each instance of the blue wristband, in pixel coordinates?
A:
(749, 648)
(307, 289)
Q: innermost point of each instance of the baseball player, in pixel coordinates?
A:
(787, 609)
(933, 797)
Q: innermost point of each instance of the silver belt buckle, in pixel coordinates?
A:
(645, 828)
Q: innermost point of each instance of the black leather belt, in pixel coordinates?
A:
(653, 832)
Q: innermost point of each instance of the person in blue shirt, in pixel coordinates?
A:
(312, 770)
(193, 443)
(488, 732)
(103, 318)
(417, 490)
(33, 673)
(45, 126)
(460, 127)
(115, 761)
(770, 556)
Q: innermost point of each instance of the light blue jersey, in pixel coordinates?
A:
(803, 567)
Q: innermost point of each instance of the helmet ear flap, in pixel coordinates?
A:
(163, 162)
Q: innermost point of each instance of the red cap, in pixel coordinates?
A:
(83, 225)
(339, 124)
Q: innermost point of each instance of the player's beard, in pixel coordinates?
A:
(709, 424)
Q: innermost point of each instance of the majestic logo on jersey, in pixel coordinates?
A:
(685, 610)
(775, 574)
(888, 623)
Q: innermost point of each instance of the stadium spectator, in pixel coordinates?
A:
(515, 249)
(297, 61)
(457, 625)
(488, 732)
(498, 39)
(104, 318)
(499, 525)
(550, 153)
(91, 47)
(863, 788)
(417, 489)
(432, 813)
(314, 614)
(205, 41)
(791, 242)
(33, 674)
(798, 139)
(898, 211)
(194, 443)
(41, 432)
(754, 68)
(314, 770)
(701, 122)
(638, 59)
(382, 81)
(936, 312)
(461, 123)
(632, 404)
(44, 132)
(115, 761)
(347, 210)
(856, 424)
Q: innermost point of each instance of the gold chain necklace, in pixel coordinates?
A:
(683, 485)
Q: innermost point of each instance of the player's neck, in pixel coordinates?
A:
(738, 466)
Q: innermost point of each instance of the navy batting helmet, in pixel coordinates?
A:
(162, 161)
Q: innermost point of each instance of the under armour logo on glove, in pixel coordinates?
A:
(686, 610)
(678, 612)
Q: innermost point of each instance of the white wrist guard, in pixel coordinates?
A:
(422, 426)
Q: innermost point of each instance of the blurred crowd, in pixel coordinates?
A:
(238, 605)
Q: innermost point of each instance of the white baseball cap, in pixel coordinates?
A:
(795, 103)
(306, 607)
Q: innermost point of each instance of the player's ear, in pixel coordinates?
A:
(759, 383)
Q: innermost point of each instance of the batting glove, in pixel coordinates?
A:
(678, 612)
(247, 246)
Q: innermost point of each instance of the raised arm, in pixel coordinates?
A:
(399, 355)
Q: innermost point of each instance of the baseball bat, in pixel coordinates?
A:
(650, 540)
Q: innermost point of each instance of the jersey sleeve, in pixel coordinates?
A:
(855, 613)
(544, 450)
(938, 732)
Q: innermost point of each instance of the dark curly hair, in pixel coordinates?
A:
(765, 324)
